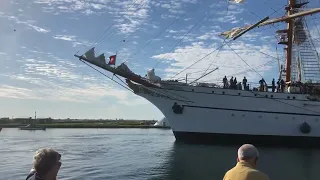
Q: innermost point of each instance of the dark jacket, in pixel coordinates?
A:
(33, 176)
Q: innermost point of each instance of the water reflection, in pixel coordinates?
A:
(139, 154)
(211, 162)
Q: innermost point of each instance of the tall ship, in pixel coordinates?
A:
(285, 112)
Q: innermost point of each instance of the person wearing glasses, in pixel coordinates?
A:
(245, 169)
(46, 165)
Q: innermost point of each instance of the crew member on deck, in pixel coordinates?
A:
(225, 81)
(248, 156)
(273, 85)
(231, 82)
(235, 83)
(244, 82)
(262, 82)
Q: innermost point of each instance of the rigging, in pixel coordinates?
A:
(125, 39)
(101, 37)
(167, 56)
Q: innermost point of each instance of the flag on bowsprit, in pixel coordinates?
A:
(112, 60)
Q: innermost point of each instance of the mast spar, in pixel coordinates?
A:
(287, 35)
(290, 39)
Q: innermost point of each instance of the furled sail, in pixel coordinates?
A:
(152, 76)
(237, 1)
(90, 55)
(233, 32)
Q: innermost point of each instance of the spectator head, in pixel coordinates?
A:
(47, 163)
(248, 153)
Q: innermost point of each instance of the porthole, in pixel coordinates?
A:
(288, 97)
(239, 94)
(266, 96)
(271, 96)
(293, 97)
(223, 92)
(212, 92)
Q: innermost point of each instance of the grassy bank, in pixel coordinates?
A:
(87, 125)
(96, 125)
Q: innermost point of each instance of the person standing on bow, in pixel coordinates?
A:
(244, 82)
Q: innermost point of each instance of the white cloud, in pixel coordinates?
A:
(75, 42)
(52, 91)
(28, 23)
(7, 91)
(65, 37)
(68, 6)
(130, 16)
(57, 79)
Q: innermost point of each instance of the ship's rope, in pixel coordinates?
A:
(128, 88)
(141, 7)
(196, 24)
(125, 39)
(219, 48)
(157, 35)
(275, 11)
(311, 38)
(244, 61)
(103, 35)
(213, 60)
(316, 26)
(106, 76)
(244, 71)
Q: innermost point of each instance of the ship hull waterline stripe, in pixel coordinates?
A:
(254, 111)
(239, 139)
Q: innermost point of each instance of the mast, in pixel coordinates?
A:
(290, 39)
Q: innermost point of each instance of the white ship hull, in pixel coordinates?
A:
(227, 116)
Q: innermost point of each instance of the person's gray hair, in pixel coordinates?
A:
(44, 159)
(247, 151)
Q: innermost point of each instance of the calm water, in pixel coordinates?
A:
(121, 154)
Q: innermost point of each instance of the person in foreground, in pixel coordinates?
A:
(248, 156)
(46, 164)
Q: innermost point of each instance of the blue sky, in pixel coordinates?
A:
(38, 39)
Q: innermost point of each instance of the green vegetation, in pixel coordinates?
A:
(75, 123)
(96, 125)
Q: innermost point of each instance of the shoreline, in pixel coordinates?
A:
(88, 125)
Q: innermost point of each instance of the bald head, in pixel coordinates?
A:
(247, 151)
